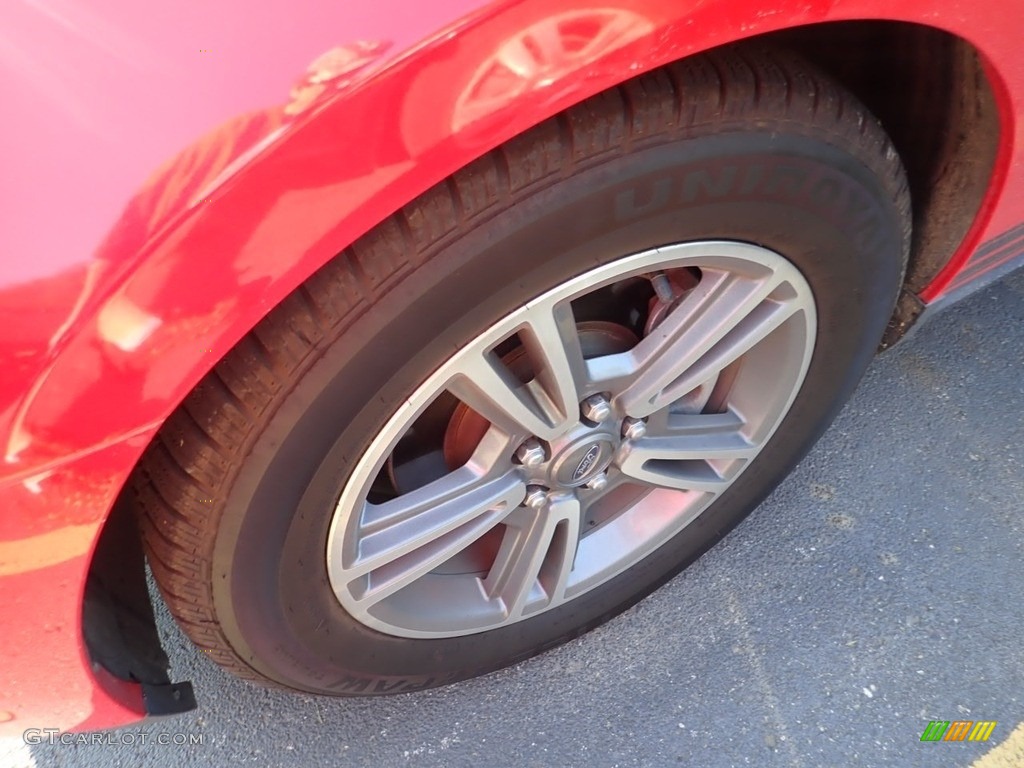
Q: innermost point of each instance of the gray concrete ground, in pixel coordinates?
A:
(879, 588)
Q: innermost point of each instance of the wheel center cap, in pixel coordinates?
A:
(581, 460)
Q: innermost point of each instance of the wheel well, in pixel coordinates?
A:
(930, 91)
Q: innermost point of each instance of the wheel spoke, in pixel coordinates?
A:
(403, 539)
(536, 557)
(721, 319)
(589, 499)
(697, 452)
(547, 405)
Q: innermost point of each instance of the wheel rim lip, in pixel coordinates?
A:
(589, 574)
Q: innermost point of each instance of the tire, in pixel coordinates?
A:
(751, 149)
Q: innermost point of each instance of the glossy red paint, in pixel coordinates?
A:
(167, 182)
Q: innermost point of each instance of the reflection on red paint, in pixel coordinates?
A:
(541, 55)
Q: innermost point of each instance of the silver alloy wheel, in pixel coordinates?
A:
(588, 465)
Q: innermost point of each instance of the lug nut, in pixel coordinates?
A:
(531, 453)
(596, 408)
(634, 429)
(536, 496)
(598, 482)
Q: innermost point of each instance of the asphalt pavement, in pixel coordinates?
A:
(877, 589)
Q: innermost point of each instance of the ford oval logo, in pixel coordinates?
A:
(586, 462)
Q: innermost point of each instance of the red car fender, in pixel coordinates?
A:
(226, 229)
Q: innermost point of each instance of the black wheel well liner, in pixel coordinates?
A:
(932, 94)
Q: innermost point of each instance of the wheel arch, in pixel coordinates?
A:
(248, 213)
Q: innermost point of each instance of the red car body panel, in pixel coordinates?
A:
(166, 183)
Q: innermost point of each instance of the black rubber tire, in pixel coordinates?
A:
(236, 493)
